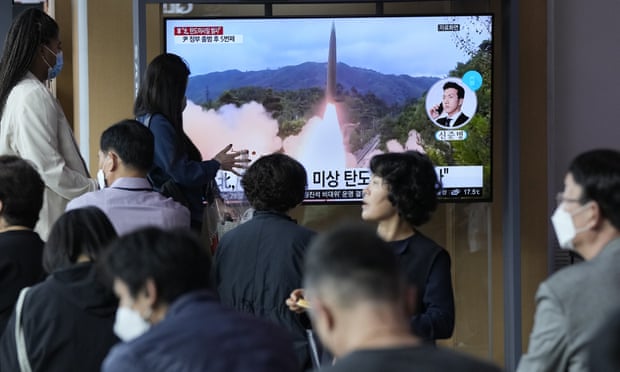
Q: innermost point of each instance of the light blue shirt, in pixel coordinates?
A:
(131, 204)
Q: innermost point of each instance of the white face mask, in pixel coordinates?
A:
(564, 227)
(128, 324)
(101, 179)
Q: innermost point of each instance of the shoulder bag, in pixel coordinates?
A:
(20, 340)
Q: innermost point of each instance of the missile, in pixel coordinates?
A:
(330, 89)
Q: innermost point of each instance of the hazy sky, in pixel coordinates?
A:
(390, 45)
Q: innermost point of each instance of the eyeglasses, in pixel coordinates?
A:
(559, 198)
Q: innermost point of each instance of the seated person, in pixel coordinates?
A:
(258, 263)
(21, 249)
(67, 319)
(127, 197)
(171, 321)
(360, 300)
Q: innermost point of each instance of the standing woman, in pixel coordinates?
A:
(401, 196)
(33, 125)
(159, 105)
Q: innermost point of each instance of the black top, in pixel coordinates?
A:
(67, 322)
(427, 267)
(425, 358)
(20, 266)
(258, 264)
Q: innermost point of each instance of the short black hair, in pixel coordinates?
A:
(355, 264)
(132, 141)
(460, 91)
(78, 231)
(275, 182)
(21, 192)
(598, 173)
(175, 260)
(412, 183)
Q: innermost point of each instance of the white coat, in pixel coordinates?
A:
(34, 127)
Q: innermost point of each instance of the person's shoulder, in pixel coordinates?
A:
(568, 276)
(159, 120)
(120, 358)
(425, 358)
(420, 241)
(20, 241)
(453, 360)
(85, 200)
(29, 89)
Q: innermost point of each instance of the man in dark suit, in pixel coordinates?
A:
(573, 303)
(448, 113)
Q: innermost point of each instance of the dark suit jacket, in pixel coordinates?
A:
(454, 123)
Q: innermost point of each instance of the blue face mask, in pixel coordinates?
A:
(53, 71)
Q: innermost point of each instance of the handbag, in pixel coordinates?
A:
(171, 189)
(20, 340)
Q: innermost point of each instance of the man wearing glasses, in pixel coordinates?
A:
(572, 304)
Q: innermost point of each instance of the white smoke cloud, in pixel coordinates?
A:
(246, 127)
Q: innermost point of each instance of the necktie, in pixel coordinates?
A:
(448, 122)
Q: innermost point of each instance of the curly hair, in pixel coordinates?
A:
(275, 182)
(412, 184)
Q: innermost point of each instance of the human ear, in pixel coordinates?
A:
(323, 314)
(596, 217)
(150, 292)
(114, 160)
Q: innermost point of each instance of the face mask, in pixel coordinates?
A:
(564, 228)
(101, 179)
(128, 324)
(53, 71)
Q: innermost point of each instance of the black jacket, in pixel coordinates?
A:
(20, 266)
(427, 267)
(67, 320)
(258, 264)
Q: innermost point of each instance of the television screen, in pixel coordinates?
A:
(333, 92)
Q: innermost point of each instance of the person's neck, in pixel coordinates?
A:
(453, 114)
(589, 250)
(394, 229)
(112, 177)
(39, 70)
(384, 327)
(158, 314)
(14, 228)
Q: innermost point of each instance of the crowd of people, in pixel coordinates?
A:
(113, 273)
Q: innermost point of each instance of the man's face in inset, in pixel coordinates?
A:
(451, 101)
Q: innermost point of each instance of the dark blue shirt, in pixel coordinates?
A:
(200, 334)
(192, 176)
